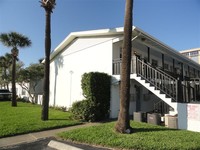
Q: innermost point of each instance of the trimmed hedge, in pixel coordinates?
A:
(83, 110)
(96, 90)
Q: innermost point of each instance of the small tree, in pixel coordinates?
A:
(5, 64)
(29, 78)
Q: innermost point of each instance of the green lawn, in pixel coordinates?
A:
(25, 118)
(145, 137)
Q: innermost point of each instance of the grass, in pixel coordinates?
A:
(26, 118)
(145, 137)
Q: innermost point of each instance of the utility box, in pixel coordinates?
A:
(154, 118)
(171, 121)
(140, 116)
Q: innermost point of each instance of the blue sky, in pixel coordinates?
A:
(174, 22)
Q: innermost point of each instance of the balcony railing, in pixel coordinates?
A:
(161, 80)
(180, 90)
(117, 66)
(157, 78)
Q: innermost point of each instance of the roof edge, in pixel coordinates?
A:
(89, 33)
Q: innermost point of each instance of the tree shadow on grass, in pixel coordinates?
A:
(59, 119)
(135, 130)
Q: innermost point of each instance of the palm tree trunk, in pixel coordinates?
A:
(14, 101)
(123, 123)
(45, 104)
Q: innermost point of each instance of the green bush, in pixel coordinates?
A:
(83, 110)
(96, 90)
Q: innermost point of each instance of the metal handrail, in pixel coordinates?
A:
(185, 90)
(156, 77)
(165, 73)
(160, 80)
(161, 107)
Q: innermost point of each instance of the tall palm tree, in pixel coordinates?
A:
(15, 41)
(48, 5)
(123, 122)
(5, 63)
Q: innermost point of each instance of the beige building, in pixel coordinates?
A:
(193, 54)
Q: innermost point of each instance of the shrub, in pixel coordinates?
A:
(83, 110)
(96, 90)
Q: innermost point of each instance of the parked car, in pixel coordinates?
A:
(5, 95)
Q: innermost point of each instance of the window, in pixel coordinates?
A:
(166, 66)
(171, 69)
(194, 53)
(186, 54)
(154, 63)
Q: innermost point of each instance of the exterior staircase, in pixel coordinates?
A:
(158, 82)
(164, 85)
(157, 92)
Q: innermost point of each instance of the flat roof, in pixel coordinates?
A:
(189, 50)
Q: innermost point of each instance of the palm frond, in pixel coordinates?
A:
(48, 4)
(14, 39)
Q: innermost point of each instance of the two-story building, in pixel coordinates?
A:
(162, 79)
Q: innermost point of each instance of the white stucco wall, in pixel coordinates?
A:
(147, 100)
(189, 117)
(182, 116)
(115, 101)
(96, 54)
(20, 92)
(83, 55)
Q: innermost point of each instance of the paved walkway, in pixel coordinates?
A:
(31, 137)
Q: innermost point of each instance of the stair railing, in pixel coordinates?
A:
(157, 78)
(161, 107)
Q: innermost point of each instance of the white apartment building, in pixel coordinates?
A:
(193, 54)
(162, 79)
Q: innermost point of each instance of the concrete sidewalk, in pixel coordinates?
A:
(31, 137)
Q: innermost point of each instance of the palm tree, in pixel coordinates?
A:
(48, 5)
(14, 40)
(123, 122)
(5, 63)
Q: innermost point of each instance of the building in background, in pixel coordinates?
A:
(193, 54)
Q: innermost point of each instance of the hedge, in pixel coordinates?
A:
(96, 90)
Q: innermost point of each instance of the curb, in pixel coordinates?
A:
(61, 146)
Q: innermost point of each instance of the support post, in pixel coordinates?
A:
(134, 64)
(163, 61)
(148, 54)
(173, 65)
(180, 91)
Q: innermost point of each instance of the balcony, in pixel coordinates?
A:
(117, 66)
(178, 89)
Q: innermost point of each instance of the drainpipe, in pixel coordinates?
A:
(70, 98)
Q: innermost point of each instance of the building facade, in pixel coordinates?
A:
(193, 54)
(162, 79)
